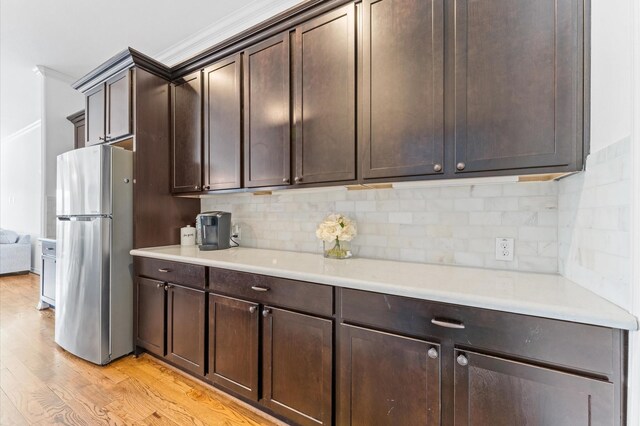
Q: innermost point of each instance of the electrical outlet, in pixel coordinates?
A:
(504, 249)
(236, 232)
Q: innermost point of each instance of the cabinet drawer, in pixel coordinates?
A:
(49, 248)
(571, 345)
(173, 272)
(312, 298)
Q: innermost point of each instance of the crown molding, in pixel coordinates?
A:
(26, 129)
(122, 61)
(223, 29)
(51, 73)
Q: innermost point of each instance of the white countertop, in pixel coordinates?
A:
(542, 295)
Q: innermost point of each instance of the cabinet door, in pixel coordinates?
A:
(79, 136)
(325, 77)
(233, 345)
(403, 107)
(150, 315)
(495, 391)
(119, 109)
(48, 279)
(186, 137)
(95, 104)
(518, 83)
(297, 367)
(185, 328)
(386, 379)
(222, 117)
(267, 143)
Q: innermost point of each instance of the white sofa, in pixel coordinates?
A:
(15, 252)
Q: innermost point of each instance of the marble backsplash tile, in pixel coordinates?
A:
(454, 225)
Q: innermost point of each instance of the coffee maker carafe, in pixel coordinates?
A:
(213, 230)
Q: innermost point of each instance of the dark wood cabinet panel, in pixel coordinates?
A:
(95, 105)
(222, 124)
(184, 274)
(77, 119)
(185, 327)
(496, 391)
(267, 113)
(186, 136)
(233, 345)
(325, 78)
(118, 118)
(297, 366)
(150, 315)
(386, 379)
(403, 100)
(518, 84)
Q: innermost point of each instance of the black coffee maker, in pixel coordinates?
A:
(213, 230)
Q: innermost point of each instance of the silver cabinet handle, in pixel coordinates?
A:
(259, 288)
(462, 360)
(164, 270)
(432, 353)
(168, 286)
(266, 312)
(159, 285)
(252, 309)
(285, 180)
(447, 323)
(460, 166)
(297, 179)
(437, 168)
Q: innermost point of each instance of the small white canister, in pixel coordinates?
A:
(188, 236)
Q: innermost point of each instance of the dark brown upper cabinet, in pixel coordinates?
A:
(109, 110)
(518, 84)
(325, 103)
(495, 391)
(186, 135)
(95, 109)
(267, 113)
(77, 119)
(118, 118)
(222, 124)
(402, 95)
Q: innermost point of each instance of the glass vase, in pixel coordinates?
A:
(337, 249)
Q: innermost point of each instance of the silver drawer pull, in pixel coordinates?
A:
(447, 323)
(49, 248)
(164, 270)
(258, 288)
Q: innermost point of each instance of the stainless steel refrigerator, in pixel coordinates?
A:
(94, 293)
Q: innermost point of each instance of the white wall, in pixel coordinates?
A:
(21, 185)
(59, 101)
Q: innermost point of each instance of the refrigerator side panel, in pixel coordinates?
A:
(121, 308)
(81, 175)
(82, 292)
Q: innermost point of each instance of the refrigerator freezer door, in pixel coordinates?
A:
(82, 292)
(83, 182)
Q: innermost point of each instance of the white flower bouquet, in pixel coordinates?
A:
(335, 231)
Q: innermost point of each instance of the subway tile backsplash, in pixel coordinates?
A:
(455, 225)
(594, 219)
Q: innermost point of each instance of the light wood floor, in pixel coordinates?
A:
(42, 384)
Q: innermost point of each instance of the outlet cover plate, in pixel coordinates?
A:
(504, 249)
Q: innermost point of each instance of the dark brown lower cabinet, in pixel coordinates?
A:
(495, 391)
(297, 366)
(185, 327)
(387, 379)
(150, 315)
(233, 345)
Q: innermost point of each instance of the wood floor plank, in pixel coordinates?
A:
(9, 414)
(42, 384)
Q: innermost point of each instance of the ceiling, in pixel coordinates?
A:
(74, 36)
